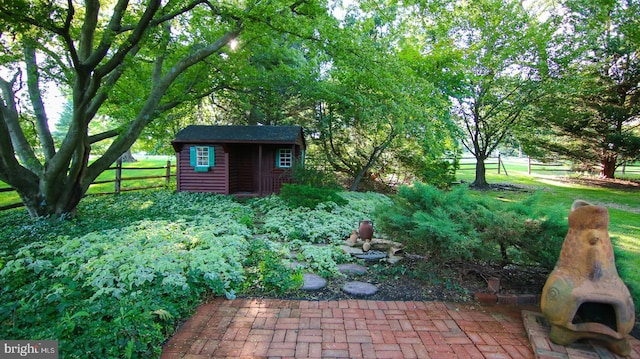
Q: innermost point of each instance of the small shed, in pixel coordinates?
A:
(239, 160)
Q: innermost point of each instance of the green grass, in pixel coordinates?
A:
(7, 198)
(128, 172)
(623, 205)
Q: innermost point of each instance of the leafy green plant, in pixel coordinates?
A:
(116, 286)
(268, 270)
(439, 173)
(327, 223)
(307, 175)
(323, 260)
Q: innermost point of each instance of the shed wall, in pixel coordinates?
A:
(215, 180)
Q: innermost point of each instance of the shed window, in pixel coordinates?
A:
(202, 158)
(285, 158)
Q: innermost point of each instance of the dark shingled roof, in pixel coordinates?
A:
(231, 134)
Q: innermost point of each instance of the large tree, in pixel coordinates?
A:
(89, 52)
(503, 71)
(591, 114)
(373, 112)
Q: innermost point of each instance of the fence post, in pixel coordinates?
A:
(168, 173)
(118, 181)
(529, 164)
(499, 162)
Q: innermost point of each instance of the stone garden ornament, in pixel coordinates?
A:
(584, 298)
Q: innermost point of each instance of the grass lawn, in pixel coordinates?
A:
(623, 205)
(129, 170)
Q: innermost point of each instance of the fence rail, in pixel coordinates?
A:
(544, 167)
(117, 181)
(634, 169)
(490, 164)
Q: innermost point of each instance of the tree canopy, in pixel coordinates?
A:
(384, 88)
(590, 112)
(131, 61)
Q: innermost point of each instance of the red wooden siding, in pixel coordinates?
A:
(213, 181)
(244, 169)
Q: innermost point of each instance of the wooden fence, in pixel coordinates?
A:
(631, 169)
(536, 166)
(117, 181)
(490, 164)
(533, 165)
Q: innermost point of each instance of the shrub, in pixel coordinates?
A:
(309, 176)
(439, 173)
(456, 226)
(297, 195)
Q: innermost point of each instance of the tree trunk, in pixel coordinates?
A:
(127, 157)
(357, 180)
(481, 179)
(608, 167)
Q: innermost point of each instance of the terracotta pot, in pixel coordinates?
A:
(366, 230)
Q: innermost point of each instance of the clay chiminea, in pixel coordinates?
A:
(584, 298)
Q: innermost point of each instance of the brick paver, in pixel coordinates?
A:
(271, 328)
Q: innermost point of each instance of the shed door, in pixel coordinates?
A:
(243, 176)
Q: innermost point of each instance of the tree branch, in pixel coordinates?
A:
(12, 123)
(132, 41)
(33, 86)
(103, 136)
(149, 110)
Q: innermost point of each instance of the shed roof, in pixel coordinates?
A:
(240, 134)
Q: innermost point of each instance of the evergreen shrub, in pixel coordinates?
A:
(457, 225)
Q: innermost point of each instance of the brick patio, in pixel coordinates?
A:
(268, 328)
(245, 328)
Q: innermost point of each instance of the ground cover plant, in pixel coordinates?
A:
(326, 223)
(116, 280)
(114, 284)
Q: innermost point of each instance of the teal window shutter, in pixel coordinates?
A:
(192, 156)
(212, 156)
(278, 158)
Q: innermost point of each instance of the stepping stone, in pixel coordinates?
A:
(312, 282)
(359, 288)
(352, 268)
(352, 250)
(372, 255)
